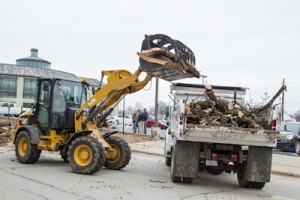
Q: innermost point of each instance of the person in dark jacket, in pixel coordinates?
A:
(141, 119)
(145, 120)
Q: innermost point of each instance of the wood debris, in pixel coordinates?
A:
(217, 111)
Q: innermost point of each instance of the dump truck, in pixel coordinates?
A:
(194, 147)
(64, 119)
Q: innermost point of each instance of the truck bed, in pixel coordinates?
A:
(228, 135)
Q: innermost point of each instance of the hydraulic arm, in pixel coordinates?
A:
(160, 56)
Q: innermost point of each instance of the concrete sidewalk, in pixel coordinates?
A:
(281, 164)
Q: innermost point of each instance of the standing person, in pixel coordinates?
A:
(134, 121)
(141, 119)
(145, 120)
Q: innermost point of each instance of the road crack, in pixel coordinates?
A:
(49, 185)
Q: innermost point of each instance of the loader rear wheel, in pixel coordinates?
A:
(25, 151)
(118, 156)
(86, 155)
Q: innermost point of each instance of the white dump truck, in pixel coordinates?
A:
(192, 148)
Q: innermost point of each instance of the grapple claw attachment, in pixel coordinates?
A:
(168, 59)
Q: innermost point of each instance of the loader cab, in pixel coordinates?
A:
(56, 103)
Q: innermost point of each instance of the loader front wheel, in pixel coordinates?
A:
(118, 156)
(25, 151)
(86, 155)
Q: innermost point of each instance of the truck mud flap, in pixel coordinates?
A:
(185, 159)
(259, 163)
(168, 59)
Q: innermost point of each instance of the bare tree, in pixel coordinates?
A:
(130, 110)
(138, 105)
(151, 110)
(296, 116)
(161, 107)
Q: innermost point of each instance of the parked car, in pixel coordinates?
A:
(11, 109)
(150, 123)
(163, 118)
(289, 139)
(119, 119)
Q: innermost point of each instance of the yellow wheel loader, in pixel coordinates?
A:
(63, 118)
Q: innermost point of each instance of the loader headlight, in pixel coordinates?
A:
(289, 136)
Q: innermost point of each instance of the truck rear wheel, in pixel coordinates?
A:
(258, 185)
(86, 155)
(168, 161)
(241, 175)
(118, 156)
(25, 151)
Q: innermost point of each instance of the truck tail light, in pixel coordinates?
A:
(274, 123)
(214, 156)
(234, 158)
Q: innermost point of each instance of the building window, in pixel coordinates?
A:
(8, 87)
(29, 89)
(27, 105)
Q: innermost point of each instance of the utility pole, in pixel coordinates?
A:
(203, 77)
(156, 103)
(282, 103)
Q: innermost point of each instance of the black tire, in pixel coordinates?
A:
(168, 161)
(119, 155)
(188, 179)
(86, 155)
(65, 158)
(25, 151)
(241, 176)
(175, 179)
(258, 185)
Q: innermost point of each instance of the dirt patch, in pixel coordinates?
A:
(4, 136)
(134, 138)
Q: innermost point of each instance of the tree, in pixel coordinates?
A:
(296, 116)
(161, 107)
(130, 110)
(138, 106)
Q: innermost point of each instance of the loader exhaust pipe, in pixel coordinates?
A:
(166, 58)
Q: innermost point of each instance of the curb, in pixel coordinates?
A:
(147, 152)
(285, 173)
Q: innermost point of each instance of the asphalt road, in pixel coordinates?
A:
(146, 177)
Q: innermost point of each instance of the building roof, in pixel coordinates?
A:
(15, 70)
(33, 57)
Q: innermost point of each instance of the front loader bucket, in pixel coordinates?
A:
(168, 59)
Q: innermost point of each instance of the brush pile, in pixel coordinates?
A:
(217, 111)
(5, 128)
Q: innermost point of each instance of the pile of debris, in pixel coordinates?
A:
(214, 111)
(5, 128)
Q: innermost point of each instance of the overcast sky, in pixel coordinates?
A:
(253, 44)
